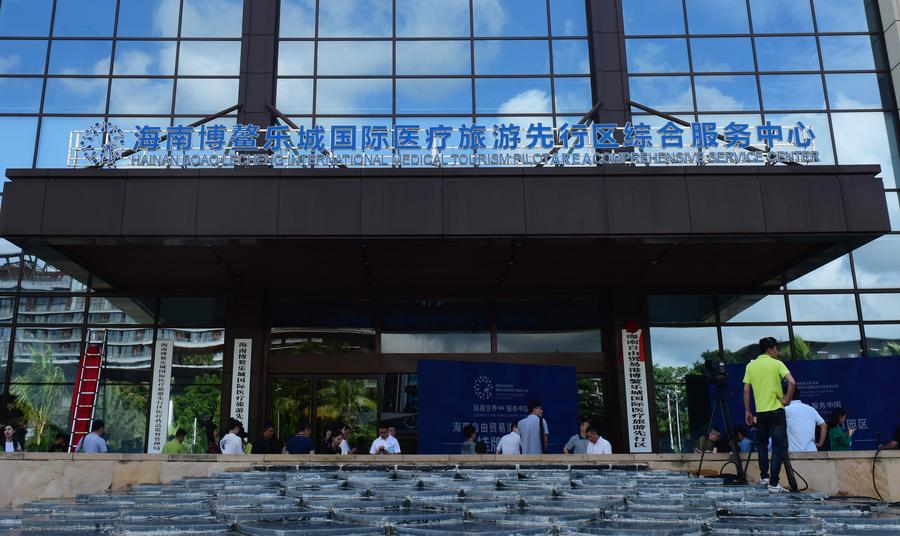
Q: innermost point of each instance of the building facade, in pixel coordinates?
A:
(343, 277)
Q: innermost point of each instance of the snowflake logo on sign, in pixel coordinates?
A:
(102, 143)
(484, 387)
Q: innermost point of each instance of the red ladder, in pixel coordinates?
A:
(84, 396)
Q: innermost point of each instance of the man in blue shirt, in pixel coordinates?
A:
(93, 443)
(300, 443)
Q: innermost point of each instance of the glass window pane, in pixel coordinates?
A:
(825, 342)
(186, 310)
(10, 266)
(726, 93)
(664, 93)
(46, 355)
(434, 95)
(355, 18)
(792, 92)
(294, 342)
(510, 18)
(512, 57)
(295, 58)
(682, 348)
(295, 96)
(568, 17)
(657, 55)
(353, 96)
(819, 125)
(25, 17)
(139, 18)
(120, 310)
(893, 210)
(84, 18)
(867, 138)
(433, 57)
(297, 18)
(209, 58)
(128, 407)
(855, 91)
(140, 96)
(883, 339)
(44, 410)
(573, 95)
(436, 343)
(845, 15)
(5, 334)
(512, 95)
(548, 327)
(878, 263)
(22, 57)
(665, 309)
(781, 16)
(822, 307)
(75, 95)
(196, 350)
(834, 275)
(196, 382)
(51, 310)
(19, 95)
(667, 19)
(571, 57)
(716, 16)
(353, 401)
(205, 96)
(850, 52)
(212, 18)
(751, 308)
(880, 306)
(400, 408)
(17, 144)
(54, 143)
(80, 57)
(741, 343)
(432, 18)
(721, 54)
(436, 326)
(344, 57)
(787, 54)
(144, 58)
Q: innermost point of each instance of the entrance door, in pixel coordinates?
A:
(353, 401)
(290, 401)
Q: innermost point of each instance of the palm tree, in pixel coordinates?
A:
(351, 401)
(38, 390)
(890, 348)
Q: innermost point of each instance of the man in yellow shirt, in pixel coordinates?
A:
(764, 375)
(176, 445)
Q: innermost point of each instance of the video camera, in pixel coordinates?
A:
(716, 371)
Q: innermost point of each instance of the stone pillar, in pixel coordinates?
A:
(259, 59)
(608, 67)
(890, 25)
(245, 321)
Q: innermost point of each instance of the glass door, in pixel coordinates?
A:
(290, 402)
(352, 401)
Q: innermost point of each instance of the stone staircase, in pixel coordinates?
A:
(418, 500)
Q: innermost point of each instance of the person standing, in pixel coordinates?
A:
(176, 445)
(385, 443)
(533, 430)
(231, 443)
(93, 443)
(11, 444)
(745, 444)
(802, 423)
(468, 446)
(894, 443)
(837, 437)
(577, 444)
(511, 443)
(763, 376)
(268, 443)
(596, 444)
(345, 440)
(300, 443)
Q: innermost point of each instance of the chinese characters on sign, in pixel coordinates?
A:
(497, 144)
(159, 397)
(636, 404)
(240, 380)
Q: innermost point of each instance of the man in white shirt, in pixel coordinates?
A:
(345, 445)
(93, 443)
(802, 423)
(231, 442)
(533, 430)
(596, 444)
(385, 443)
(511, 443)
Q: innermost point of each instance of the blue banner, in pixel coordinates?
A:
(490, 396)
(866, 388)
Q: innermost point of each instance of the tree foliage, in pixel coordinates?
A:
(39, 396)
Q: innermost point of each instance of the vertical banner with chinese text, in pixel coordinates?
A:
(159, 396)
(240, 380)
(636, 400)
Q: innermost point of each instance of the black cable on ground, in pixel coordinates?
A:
(874, 485)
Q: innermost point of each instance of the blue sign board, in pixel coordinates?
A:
(865, 387)
(490, 396)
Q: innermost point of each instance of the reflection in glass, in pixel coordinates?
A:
(850, 52)
(834, 275)
(295, 96)
(432, 18)
(10, 264)
(191, 310)
(289, 403)
(510, 18)
(568, 17)
(119, 310)
(18, 95)
(781, 16)
(656, 56)
(295, 58)
(17, 144)
(846, 15)
(6, 310)
(878, 263)
(144, 58)
(717, 16)
(751, 308)
(591, 403)
(433, 57)
(400, 408)
(857, 91)
(46, 355)
(677, 350)
(81, 18)
(433, 95)
(792, 92)
(195, 403)
(75, 95)
(51, 310)
(139, 18)
(140, 96)
(212, 18)
(721, 54)
(819, 124)
(126, 408)
(205, 96)
(571, 57)
(25, 17)
(741, 343)
(436, 343)
(5, 335)
(435, 326)
(348, 401)
(80, 57)
(512, 57)
(54, 142)
(665, 93)
(867, 138)
(512, 95)
(43, 409)
(893, 210)
(883, 339)
(726, 93)
(672, 309)
(22, 57)
(209, 58)
(548, 327)
(129, 354)
(41, 276)
(573, 95)
(354, 58)
(825, 342)
(880, 306)
(822, 307)
(299, 341)
(355, 18)
(353, 96)
(668, 17)
(787, 53)
(297, 18)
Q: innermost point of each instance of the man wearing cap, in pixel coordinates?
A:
(764, 375)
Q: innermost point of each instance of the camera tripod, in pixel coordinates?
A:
(721, 403)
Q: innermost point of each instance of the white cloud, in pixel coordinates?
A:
(209, 58)
(10, 63)
(529, 101)
(712, 98)
(433, 17)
